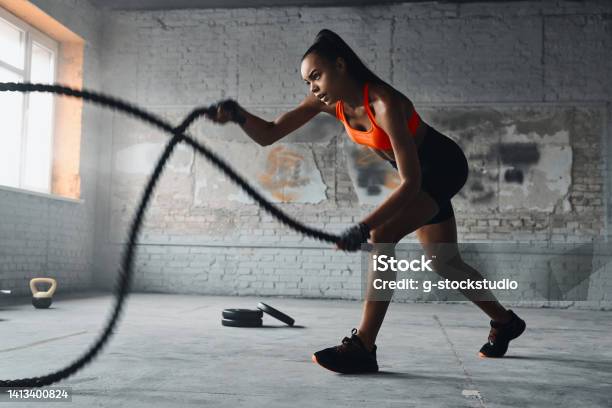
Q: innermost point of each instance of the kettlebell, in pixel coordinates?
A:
(42, 300)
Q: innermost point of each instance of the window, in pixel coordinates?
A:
(26, 138)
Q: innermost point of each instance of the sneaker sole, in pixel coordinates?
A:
(314, 360)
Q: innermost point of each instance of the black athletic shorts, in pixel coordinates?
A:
(444, 171)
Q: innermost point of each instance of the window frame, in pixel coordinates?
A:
(31, 36)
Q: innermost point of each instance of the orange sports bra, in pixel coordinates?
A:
(376, 136)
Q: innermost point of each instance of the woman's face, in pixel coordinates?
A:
(323, 79)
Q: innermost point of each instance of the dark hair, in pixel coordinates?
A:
(330, 46)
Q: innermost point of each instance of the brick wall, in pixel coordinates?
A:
(542, 53)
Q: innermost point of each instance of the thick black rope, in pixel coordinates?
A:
(122, 287)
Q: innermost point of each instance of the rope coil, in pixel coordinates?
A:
(124, 279)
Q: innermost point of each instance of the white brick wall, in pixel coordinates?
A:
(435, 53)
(171, 61)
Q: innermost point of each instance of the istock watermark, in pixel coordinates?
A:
(384, 263)
(485, 271)
(426, 285)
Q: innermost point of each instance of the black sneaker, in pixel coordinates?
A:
(350, 357)
(500, 336)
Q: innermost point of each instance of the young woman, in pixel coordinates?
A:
(432, 169)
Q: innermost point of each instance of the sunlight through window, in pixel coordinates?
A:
(26, 144)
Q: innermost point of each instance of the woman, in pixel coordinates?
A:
(432, 169)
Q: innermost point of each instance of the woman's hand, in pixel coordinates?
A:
(225, 111)
(352, 238)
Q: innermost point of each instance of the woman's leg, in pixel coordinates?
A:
(384, 239)
(374, 310)
(440, 240)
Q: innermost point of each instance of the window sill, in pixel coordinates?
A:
(42, 195)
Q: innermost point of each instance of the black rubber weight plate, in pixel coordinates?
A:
(275, 313)
(242, 314)
(241, 323)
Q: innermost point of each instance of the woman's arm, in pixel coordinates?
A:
(264, 132)
(394, 122)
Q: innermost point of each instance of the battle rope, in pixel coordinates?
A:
(125, 272)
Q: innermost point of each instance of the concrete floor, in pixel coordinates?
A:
(171, 350)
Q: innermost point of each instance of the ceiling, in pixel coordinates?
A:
(203, 4)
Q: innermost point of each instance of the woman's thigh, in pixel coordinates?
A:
(414, 215)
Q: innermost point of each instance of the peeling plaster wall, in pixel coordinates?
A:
(523, 87)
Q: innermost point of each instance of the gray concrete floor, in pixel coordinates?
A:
(171, 350)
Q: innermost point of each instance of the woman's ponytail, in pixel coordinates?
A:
(330, 46)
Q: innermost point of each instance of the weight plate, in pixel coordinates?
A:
(241, 323)
(242, 314)
(275, 313)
